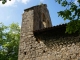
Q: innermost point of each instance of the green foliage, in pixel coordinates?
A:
(72, 13)
(73, 26)
(4, 1)
(9, 41)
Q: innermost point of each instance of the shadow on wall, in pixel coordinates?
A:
(53, 41)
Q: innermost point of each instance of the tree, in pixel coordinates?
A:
(4, 1)
(9, 41)
(72, 13)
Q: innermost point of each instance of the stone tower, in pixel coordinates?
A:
(34, 18)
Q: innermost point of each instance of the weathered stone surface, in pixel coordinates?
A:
(41, 47)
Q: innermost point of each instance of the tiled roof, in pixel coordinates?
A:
(52, 30)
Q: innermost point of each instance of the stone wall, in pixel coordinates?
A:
(41, 13)
(57, 47)
(45, 46)
(26, 37)
(31, 20)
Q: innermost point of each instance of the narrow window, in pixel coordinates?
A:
(44, 21)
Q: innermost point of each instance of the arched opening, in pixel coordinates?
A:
(48, 24)
(44, 20)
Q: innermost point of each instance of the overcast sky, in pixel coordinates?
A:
(12, 10)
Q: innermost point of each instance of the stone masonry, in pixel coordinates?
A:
(45, 46)
(57, 47)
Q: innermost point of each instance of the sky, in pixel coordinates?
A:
(12, 11)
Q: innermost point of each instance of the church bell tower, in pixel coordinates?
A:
(33, 18)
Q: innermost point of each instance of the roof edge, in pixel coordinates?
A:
(35, 6)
